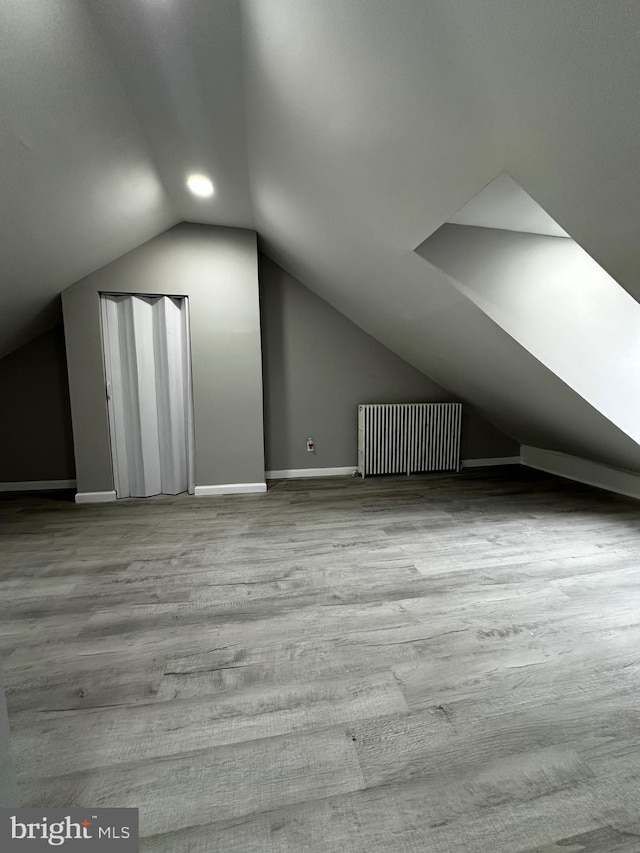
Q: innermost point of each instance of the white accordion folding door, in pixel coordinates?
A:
(148, 379)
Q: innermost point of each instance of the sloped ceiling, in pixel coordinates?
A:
(105, 107)
(344, 131)
(370, 124)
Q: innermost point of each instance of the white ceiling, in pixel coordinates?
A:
(504, 205)
(344, 131)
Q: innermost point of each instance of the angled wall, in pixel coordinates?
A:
(318, 366)
(217, 269)
(561, 307)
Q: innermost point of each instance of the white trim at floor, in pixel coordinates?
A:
(486, 463)
(38, 486)
(582, 471)
(299, 473)
(230, 489)
(95, 497)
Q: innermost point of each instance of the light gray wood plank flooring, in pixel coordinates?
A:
(425, 664)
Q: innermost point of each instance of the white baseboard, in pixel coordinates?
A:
(485, 463)
(38, 486)
(298, 473)
(95, 497)
(582, 471)
(230, 489)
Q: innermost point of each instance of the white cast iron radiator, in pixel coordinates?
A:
(405, 438)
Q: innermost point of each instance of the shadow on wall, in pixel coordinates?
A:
(36, 423)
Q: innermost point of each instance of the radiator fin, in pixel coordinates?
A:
(407, 438)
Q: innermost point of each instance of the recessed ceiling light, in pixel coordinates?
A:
(200, 185)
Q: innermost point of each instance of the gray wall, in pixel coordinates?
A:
(8, 792)
(217, 269)
(318, 366)
(35, 430)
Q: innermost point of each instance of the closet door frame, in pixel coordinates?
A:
(191, 430)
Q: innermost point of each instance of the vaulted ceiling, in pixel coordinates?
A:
(343, 131)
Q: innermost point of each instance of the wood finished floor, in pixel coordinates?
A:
(428, 665)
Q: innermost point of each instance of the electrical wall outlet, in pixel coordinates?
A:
(311, 446)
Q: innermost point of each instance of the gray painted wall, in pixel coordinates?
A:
(8, 790)
(318, 366)
(217, 269)
(36, 438)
